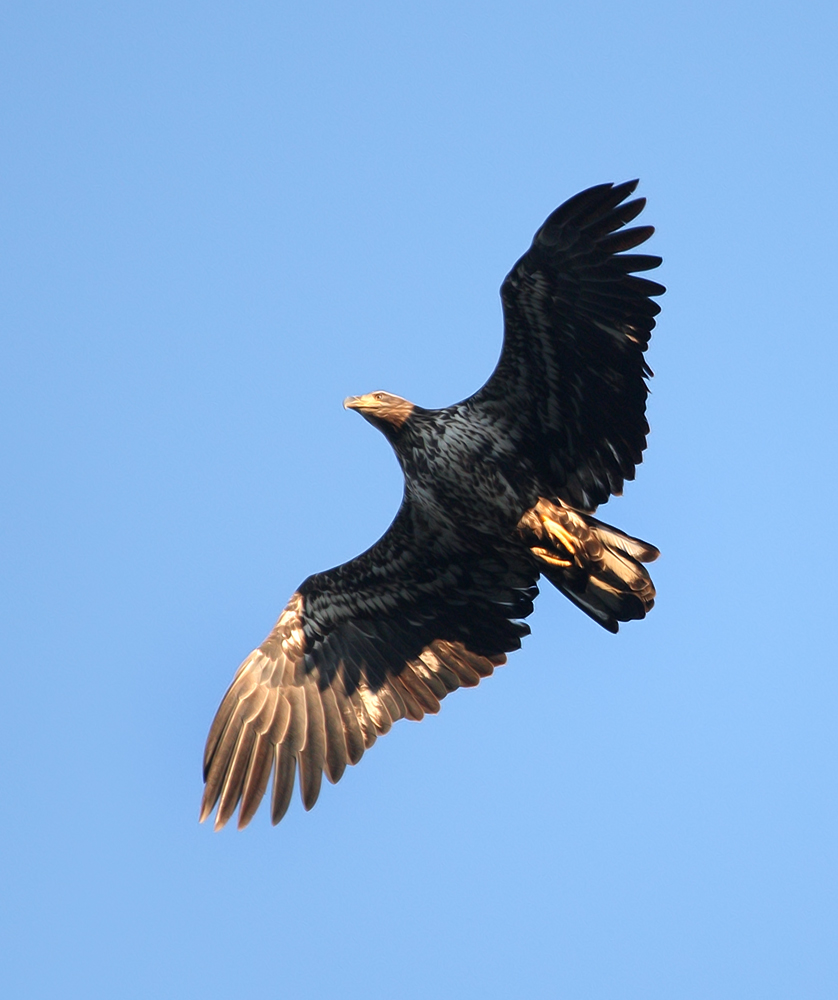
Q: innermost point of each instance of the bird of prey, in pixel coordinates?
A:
(499, 490)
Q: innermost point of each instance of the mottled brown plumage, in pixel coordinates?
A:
(499, 489)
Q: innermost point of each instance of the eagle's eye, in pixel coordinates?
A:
(379, 396)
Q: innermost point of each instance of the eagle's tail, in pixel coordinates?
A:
(598, 567)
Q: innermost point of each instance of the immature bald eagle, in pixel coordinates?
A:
(499, 489)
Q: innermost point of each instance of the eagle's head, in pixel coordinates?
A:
(382, 409)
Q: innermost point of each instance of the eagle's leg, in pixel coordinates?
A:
(559, 546)
(558, 534)
(598, 567)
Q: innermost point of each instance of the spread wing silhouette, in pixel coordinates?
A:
(499, 489)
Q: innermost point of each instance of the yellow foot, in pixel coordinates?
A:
(548, 557)
(561, 535)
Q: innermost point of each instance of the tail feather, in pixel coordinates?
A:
(595, 565)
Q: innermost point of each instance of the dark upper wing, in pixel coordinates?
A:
(569, 387)
(383, 637)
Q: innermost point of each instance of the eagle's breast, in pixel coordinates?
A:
(459, 470)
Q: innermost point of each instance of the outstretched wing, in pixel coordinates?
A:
(569, 389)
(383, 637)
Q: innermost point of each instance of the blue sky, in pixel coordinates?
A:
(218, 221)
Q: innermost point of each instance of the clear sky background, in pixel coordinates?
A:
(219, 220)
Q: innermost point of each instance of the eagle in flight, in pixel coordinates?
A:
(499, 490)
